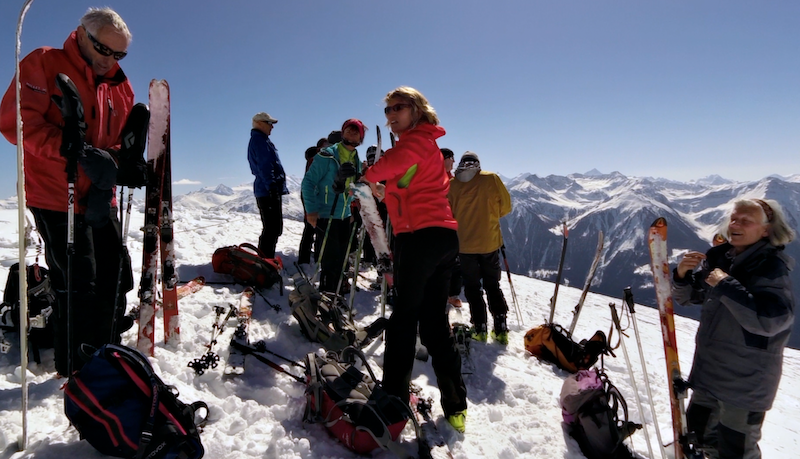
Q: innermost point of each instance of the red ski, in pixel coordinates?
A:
(160, 109)
(155, 173)
(193, 286)
(657, 241)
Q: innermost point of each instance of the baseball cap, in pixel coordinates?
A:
(263, 116)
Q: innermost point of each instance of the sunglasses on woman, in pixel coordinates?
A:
(395, 108)
(105, 50)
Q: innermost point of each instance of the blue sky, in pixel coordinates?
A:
(679, 89)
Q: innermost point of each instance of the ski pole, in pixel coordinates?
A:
(560, 271)
(629, 302)
(615, 319)
(344, 264)
(254, 352)
(318, 268)
(124, 225)
(362, 232)
(511, 285)
(261, 346)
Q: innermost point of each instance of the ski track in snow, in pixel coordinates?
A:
(513, 398)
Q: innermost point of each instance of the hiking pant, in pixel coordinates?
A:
(335, 251)
(726, 431)
(455, 279)
(95, 270)
(271, 211)
(482, 269)
(306, 243)
(423, 261)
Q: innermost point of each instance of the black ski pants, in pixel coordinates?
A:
(306, 244)
(724, 430)
(422, 266)
(483, 270)
(270, 208)
(95, 269)
(335, 252)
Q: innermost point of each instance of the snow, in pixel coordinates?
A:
(513, 398)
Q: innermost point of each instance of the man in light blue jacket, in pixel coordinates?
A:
(270, 183)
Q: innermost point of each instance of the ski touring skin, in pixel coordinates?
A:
(565, 231)
(657, 240)
(588, 283)
(236, 358)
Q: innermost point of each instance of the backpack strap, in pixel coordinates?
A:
(314, 389)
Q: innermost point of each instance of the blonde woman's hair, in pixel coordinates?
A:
(779, 232)
(420, 107)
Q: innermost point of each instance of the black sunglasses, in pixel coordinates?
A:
(105, 50)
(395, 108)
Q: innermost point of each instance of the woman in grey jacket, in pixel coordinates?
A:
(748, 311)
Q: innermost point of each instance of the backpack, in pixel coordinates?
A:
(590, 407)
(109, 401)
(248, 265)
(41, 300)
(551, 343)
(352, 404)
(323, 319)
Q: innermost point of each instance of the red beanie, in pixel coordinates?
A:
(357, 124)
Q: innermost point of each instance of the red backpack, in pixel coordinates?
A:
(248, 265)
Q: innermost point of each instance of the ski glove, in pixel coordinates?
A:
(132, 170)
(346, 170)
(74, 130)
(101, 169)
(132, 166)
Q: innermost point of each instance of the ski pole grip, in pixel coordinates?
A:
(629, 299)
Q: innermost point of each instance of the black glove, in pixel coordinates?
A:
(74, 130)
(132, 170)
(346, 170)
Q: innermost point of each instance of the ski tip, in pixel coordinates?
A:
(660, 222)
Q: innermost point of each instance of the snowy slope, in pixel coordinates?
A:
(513, 399)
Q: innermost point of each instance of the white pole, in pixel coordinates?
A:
(23, 271)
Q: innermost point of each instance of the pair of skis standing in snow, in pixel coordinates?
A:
(685, 444)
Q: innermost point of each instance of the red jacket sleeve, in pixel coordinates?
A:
(41, 133)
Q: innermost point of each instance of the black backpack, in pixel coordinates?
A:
(590, 407)
(112, 402)
(41, 301)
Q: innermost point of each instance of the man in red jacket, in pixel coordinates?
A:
(90, 59)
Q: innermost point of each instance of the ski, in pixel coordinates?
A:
(236, 357)
(463, 339)
(657, 240)
(22, 441)
(193, 286)
(432, 443)
(152, 214)
(371, 219)
(160, 112)
(588, 283)
(560, 271)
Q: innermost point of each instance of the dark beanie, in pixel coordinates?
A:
(447, 153)
(310, 152)
(334, 137)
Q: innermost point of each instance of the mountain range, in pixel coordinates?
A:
(621, 207)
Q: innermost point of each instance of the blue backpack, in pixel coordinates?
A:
(122, 408)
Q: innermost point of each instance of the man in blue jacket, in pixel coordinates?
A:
(270, 183)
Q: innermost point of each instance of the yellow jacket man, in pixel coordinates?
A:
(478, 200)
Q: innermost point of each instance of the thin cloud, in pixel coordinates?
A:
(187, 182)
